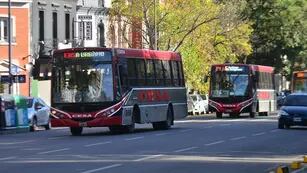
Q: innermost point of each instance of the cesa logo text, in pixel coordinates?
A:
(153, 95)
(81, 115)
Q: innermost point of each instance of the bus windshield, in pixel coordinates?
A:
(83, 82)
(229, 83)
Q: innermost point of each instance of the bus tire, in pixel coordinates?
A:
(164, 125)
(219, 115)
(252, 114)
(76, 131)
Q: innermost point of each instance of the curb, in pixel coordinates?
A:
(14, 130)
(294, 167)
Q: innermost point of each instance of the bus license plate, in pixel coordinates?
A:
(297, 119)
(228, 110)
(82, 124)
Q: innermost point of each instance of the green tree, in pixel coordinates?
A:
(279, 31)
(205, 32)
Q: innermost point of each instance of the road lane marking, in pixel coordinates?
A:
(185, 149)
(7, 158)
(100, 143)
(186, 130)
(53, 151)
(258, 134)
(238, 138)
(148, 157)
(275, 130)
(56, 138)
(207, 127)
(161, 134)
(225, 125)
(13, 143)
(102, 168)
(136, 138)
(213, 143)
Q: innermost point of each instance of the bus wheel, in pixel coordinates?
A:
(76, 131)
(164, 125)
(219, 114)
(252, 114)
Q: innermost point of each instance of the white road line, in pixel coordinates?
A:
(102, 168)
(258, 134)
(185, 149)
(53, 151)
(100, 143)
(224, 124)
(213, 143)
(136, 138)
(161, 134)
(7, 158)
(148, 157)
(275, 130)
(13, 143)
(56, 138)
(186, 130)
(207, 127)
(238, 138)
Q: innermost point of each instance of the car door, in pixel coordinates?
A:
(43, 112)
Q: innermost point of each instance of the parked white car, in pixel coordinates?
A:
(198, 104)
(205, 97)
(38, 113)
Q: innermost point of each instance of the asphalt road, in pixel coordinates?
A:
(199, 144)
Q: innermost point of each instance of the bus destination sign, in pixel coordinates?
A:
(230, 68)
(95, 55)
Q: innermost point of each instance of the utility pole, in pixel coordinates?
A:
(155, 27)
(10, 46)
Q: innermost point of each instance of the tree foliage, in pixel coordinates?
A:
(280, 32)
(205, 32)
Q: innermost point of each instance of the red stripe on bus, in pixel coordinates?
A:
(97, 122)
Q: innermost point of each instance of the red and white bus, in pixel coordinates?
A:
(299, 81)
(239, 88)
(116, 88)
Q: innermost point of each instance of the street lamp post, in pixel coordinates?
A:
(155, 27)
(10, 46)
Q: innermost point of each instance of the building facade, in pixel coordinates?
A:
(52, 28)
(20, 44)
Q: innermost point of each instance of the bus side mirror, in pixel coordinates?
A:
(206, 78)
(42, 69)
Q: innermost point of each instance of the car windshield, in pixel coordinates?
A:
(194, 98)
(29, 103)
(296, 100)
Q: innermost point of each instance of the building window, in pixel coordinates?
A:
(67, 26)
(4, 35)
(55, 28)
(41, 19)
(55, 25)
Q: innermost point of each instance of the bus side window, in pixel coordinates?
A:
(150, 73)
(167, 73)
(141, 72)
(176, 81)
(132, 72)
(159, 72)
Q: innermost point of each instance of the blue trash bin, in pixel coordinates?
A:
(8, 112)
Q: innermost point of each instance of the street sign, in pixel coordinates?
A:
(15, 79)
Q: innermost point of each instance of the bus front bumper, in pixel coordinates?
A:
(97, 122)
